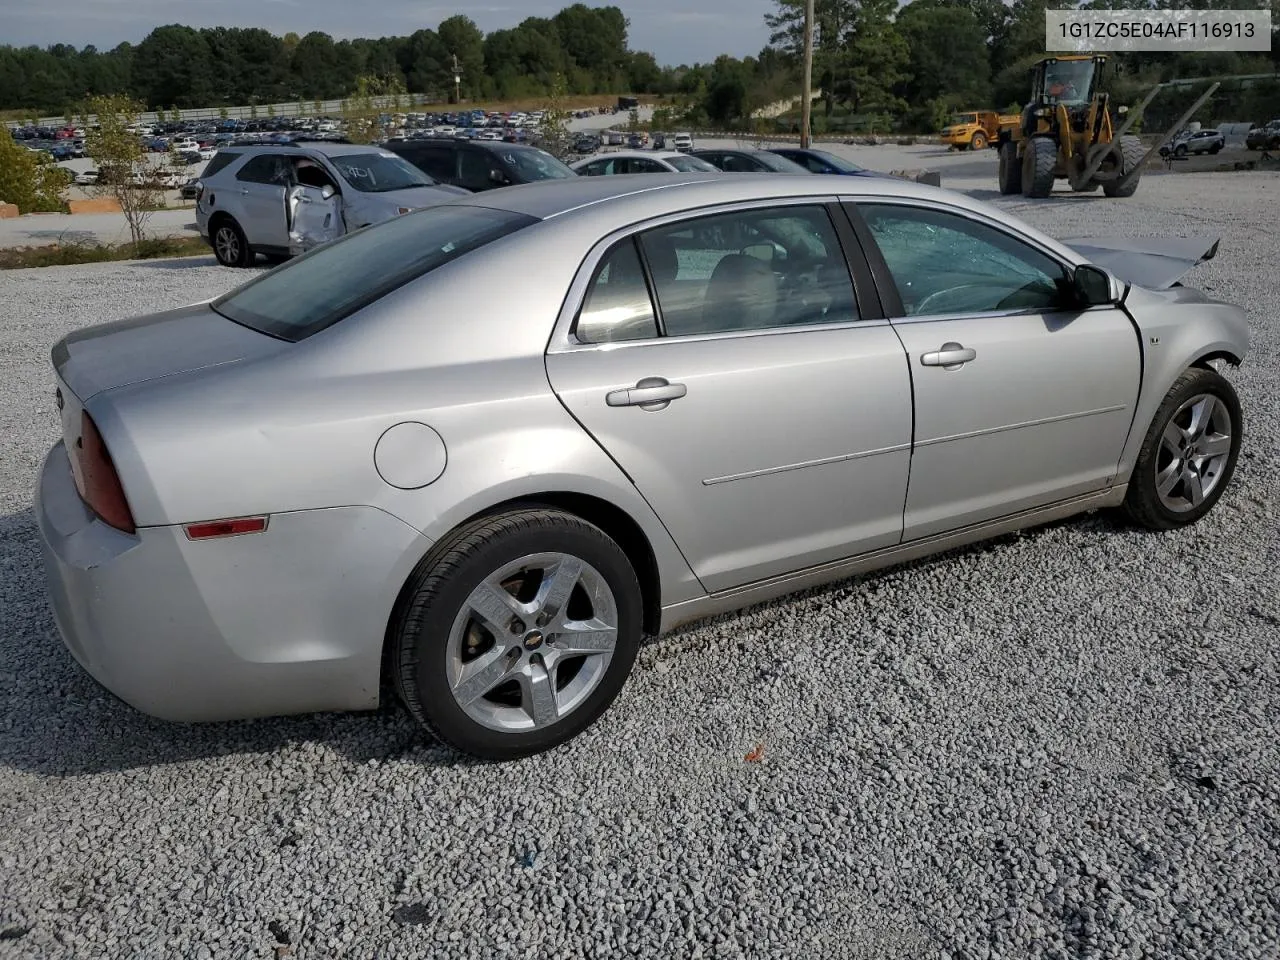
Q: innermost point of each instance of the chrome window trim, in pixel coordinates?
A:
(563, 342)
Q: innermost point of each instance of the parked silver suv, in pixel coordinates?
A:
(283, 199)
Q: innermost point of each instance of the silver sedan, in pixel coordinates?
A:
(693, 393)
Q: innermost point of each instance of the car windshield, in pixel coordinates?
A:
(379, 172)
(535, 164)
(690, 165)
(336, 279)
(840, 163)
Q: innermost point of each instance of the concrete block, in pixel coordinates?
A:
(8, 211)
(99, 205)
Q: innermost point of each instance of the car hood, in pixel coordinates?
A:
(1153, 262)
(419, 196)
(125, 352)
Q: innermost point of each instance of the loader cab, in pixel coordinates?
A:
(1071, 81)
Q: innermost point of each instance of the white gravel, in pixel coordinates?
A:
(1060, 745)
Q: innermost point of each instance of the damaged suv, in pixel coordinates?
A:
(283, 199)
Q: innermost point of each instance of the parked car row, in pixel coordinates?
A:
(1264, 137)
(281, 199)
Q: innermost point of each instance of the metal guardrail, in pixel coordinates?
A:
(261, 111)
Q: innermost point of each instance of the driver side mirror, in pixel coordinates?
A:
(327, 191)
(498, 177)
(1093, 286)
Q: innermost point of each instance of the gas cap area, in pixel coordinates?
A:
(410, 455)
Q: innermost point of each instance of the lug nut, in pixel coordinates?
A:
(517, 625)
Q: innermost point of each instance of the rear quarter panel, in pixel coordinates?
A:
(298, 430)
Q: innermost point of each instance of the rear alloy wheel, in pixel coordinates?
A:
(230, 246)
(1189, 453)
(518, 634)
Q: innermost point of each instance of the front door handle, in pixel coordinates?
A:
(950, 356)
(651, 393)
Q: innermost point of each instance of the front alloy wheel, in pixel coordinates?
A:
(1189, 453)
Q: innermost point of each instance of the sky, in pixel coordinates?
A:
(672, 30)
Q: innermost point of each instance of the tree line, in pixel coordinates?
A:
(905, 67)
(185, 67)
(910, 67)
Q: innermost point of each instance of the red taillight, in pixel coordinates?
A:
(98, 481)
(225, 528)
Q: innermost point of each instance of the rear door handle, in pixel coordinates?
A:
(950, 356)
(651, 393)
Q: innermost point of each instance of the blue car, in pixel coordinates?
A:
(820, 161)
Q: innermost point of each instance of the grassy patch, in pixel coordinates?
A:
(63, 254)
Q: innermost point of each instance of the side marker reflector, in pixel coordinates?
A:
(212, 529)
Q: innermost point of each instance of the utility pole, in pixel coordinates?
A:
(457, 80)
(806, 101)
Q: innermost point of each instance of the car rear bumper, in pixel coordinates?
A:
(291, 620)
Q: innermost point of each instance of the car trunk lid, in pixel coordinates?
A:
(126, 352)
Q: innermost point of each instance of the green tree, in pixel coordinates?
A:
(463, 39)
(948, 55)
(553, 130)
(173, 64)
(125, 172)
(29, 180)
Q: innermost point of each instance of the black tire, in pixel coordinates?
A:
(1215, 148)
(1180, 150)
(1143, 503)
(979, 141)
(1038, 164)
(1131, 154)
(441, 585)
(229, 244)
(1010, 173)
(1251, 146)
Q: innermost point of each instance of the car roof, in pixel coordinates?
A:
(655, 194)
(322, 147)
(746, 150)
(643, 154)
(459, 141)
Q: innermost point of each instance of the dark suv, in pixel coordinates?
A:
(480, 164)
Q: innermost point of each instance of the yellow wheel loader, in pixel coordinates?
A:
(1065, 132)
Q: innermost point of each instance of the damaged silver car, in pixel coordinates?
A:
(696, 392)
(283, 199)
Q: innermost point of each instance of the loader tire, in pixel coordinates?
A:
(1038, 164)
(1131, 152)
(1010, 174)
(979, 141)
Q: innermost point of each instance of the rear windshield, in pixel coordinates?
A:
(534, 164)
(335, 280)
(692, 165)
(778, 164)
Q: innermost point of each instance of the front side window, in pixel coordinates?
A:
(749, 270)
(320, 288)
(379, 172)
(944, 263)
(617, 305)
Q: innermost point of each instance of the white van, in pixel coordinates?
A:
(682, 143)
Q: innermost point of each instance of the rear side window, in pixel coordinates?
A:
(265, 168)
(221, 159)
(437, 162)
(335, 280)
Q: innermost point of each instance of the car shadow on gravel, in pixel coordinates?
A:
(59, 722)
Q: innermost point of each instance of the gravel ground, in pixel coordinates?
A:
(1060, 745)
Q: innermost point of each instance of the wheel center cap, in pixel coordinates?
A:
(533, 640)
